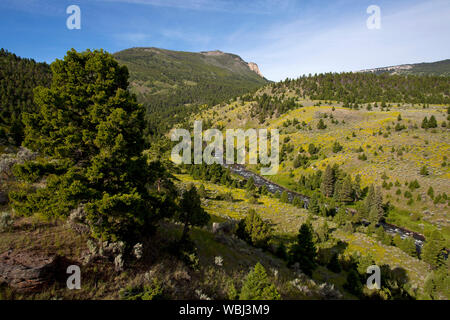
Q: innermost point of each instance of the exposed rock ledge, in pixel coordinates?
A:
(26, 271)
(254, 67)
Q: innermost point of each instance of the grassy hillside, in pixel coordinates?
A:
(140, 230)
(394, 144)
(167, 80)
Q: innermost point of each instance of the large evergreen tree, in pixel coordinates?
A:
(373, 204)
(88, 122)
(346, 192)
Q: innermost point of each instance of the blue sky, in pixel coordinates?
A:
(286, 38)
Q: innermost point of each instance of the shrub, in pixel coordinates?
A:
(228, 196)
(152, 291)
(202, 191)
(362, 157)
(281, 251)
(334, 264)
(337, 147)
(353, 283)
(424, 171)
(6, 221)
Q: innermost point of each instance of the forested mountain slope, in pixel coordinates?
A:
(18, 78)
(164, 80)
(170, 84)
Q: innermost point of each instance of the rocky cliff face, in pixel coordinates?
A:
(251, 65)
(254, 67)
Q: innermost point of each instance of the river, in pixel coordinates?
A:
(274, 188)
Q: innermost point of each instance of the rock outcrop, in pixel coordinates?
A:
(26, 271)
(254, 67)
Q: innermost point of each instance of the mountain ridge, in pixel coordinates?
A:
(441, 68)
(170, 82)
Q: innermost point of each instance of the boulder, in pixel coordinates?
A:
(26, 271)
(225, 227)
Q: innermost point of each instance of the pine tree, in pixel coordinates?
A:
(191, 211)
(346, 192)
(304, 251)
(313, 205)
(408, 245)
(321, 125)
(323, 232)
(264, 190)
(432, 123)
(430, 192)
(425, 123)
(250, 186)
(370, 199)
(284, 197)
(327, 186)
(378, 203)
(254, 230)
(432, 251)
(337, 147)
(364, 262)
(92, 127)
(373, 205)
(341, 216)
(424, 171)
(257, 286)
